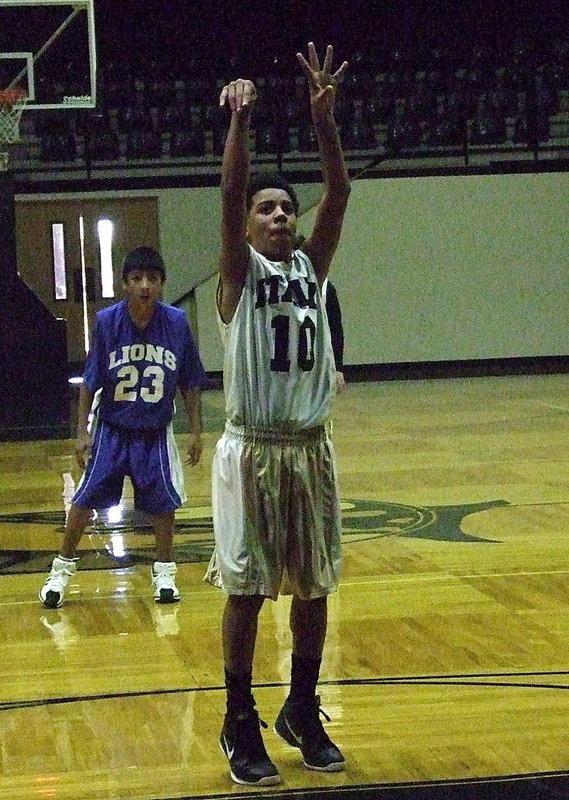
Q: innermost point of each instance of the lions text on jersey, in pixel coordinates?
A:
(139, 371)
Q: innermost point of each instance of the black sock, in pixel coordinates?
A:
(239, 695)
(304, 677)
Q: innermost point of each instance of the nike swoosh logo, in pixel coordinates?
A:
(228, 750)
(295, 735)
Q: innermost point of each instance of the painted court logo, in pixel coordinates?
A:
(366, 519)
(128, 539)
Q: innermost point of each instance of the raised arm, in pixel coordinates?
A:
(240, 96)
(321, 245)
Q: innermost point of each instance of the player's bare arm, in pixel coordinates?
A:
(239, 96)
(83, 442)
(195, 444)
(321, 245)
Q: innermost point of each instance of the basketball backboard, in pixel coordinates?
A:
(47, 47)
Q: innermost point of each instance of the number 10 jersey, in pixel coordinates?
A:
(279, 366)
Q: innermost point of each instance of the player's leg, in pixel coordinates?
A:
(164, 568)
(77, 520)
(239, 632)
(241, 739)
(313, 563)
(158, 481)
(99, 487)
(308, 623)
(248, 576)
(65, 564)
(298, 722)
(163, 525)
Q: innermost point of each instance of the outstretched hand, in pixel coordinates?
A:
(194, 449)
(322, 83)
(240, 95)
(83, 447)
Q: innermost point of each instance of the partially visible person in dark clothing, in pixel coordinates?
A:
(336, 331)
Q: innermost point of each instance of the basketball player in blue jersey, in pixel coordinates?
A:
(141, 352)
(275, 498)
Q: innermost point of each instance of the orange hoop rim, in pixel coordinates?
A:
(13, 96)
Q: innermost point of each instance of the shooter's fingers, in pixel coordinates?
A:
(328, 59)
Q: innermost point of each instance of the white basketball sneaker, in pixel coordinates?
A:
(51, 593)
(165, 590)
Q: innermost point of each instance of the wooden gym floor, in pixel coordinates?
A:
(446, 667)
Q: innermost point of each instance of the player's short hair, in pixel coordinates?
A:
(143, 258)
(270, 180)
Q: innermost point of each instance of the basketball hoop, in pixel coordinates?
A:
(12, 103)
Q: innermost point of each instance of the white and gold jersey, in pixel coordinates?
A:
(279, 366)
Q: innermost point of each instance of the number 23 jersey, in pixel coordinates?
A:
(279, 366)
(139, 371)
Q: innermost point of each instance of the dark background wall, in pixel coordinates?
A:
(33, 349)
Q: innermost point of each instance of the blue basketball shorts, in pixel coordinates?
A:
(151, 460)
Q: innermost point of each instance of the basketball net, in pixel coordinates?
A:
(12, 103)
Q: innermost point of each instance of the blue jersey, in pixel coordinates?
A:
(139, 371)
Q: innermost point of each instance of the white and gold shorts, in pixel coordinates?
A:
(276, 513)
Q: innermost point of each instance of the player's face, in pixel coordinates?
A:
(143, 287)
(271, 224)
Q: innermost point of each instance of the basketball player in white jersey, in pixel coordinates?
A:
(275, 497)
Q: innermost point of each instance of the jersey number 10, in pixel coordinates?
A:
(306, 337)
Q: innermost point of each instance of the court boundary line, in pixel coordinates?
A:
(467, 679)
(363, 788)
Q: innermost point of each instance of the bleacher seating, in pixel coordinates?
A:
(405, 101)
